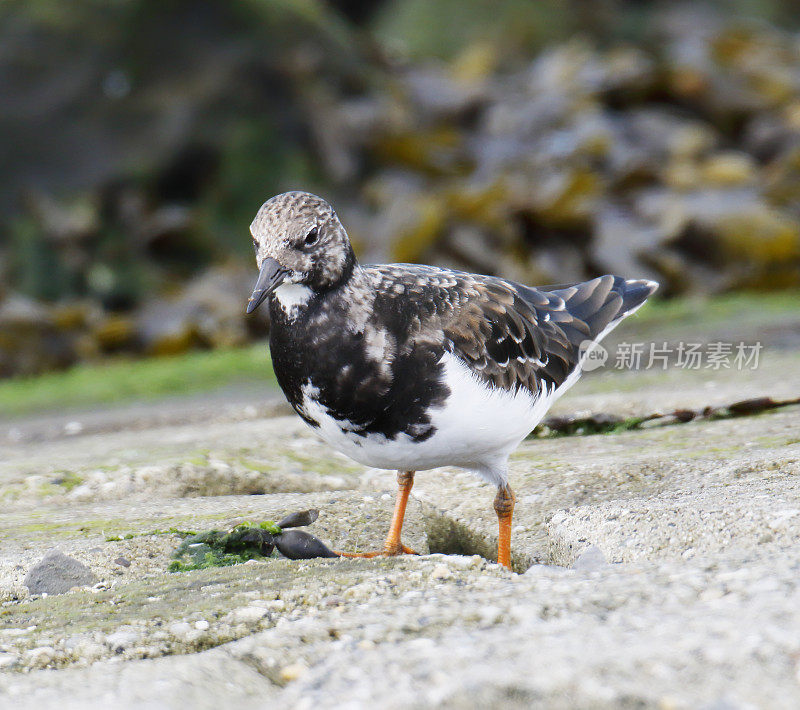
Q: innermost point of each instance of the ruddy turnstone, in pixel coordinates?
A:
(409, 367)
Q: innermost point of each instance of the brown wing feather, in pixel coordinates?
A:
(502, 335)
(508, 341)
(510, 335)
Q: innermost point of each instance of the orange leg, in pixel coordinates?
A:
(393, 546)
(504, 507)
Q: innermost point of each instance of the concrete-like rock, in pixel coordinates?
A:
(661, 568)
(209, 681)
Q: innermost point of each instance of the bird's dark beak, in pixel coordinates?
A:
(271, 276)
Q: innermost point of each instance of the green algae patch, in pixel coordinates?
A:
(121, 380)
(251, 541)
(67, 480)
(214, 548)
(151, 533)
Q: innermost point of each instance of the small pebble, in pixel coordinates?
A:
(463, 562)
(73, 428)
(179, 629)
(41, 656)
(8, 660)
(248, 614)
(441, 572)
(534, 570)
(120, 640)
(122, 562)
(592, 558)
(293, 671)
(89, 650)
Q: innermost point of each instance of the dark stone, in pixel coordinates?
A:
(57, 573)
(300, 545)
(299, 519)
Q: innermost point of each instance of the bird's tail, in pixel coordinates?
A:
(604, 302)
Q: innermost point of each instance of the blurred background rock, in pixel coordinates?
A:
(544, 141)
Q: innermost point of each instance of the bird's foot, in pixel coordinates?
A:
(367, 555)
(399, 549)
(387, 551)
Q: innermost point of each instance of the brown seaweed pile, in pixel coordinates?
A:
(673, 154)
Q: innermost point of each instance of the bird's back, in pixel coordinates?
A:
(511, 335)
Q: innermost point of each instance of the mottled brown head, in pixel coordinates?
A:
(298, 239)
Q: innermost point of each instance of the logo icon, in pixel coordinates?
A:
(592, 355)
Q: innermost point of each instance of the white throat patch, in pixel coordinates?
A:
(291, 297)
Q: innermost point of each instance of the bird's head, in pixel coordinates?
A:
(299, 240)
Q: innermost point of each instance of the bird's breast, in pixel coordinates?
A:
(360, 374)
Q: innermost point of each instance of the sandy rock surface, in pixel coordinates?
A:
(653, 568)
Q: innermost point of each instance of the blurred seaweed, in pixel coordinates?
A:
(546, 142)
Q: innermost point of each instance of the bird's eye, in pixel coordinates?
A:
(311, 237)
(255, 244)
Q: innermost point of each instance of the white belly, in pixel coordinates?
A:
(477, 428)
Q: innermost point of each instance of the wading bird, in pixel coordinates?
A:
(409, 367)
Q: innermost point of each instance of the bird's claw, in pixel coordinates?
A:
(387, 551)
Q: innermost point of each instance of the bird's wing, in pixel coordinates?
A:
(510, 335)
(509, 339)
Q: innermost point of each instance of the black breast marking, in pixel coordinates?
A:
(366, 395)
